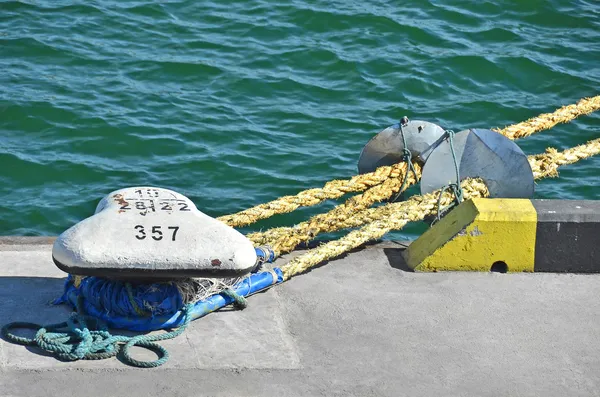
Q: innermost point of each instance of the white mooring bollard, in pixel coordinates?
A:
(149, 232)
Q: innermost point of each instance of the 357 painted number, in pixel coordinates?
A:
(156, 232)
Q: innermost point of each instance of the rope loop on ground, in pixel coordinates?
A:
(83, 337)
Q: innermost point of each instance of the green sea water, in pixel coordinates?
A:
(235, 103)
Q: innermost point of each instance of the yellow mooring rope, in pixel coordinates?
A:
(332, 190)
(285, 239)
(337, 188)
(548, 120)
(395, 216)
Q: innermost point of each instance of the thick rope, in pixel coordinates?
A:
(285, 239)
(395, 216)
(548, 120)
(414, 209)
(332, 190)
(338, 188)
(546, 165)
(73, 340)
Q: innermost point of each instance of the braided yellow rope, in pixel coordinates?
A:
(332, 190)
(546, 164)
(285, 239)
(418, 207)
(543, 165)
(414, 209)
(548, 120)
(337, 188)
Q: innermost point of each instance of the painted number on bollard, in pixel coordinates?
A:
(149, 205)
(155, 231)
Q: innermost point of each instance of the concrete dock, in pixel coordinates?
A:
(361, 325)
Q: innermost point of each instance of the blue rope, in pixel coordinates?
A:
(125, 299)
(84, 337)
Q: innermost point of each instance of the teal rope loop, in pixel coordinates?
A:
(454, 188)
(407, 158)
(83, 337)
(239, 302)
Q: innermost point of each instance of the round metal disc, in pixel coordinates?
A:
(484, 154)
(386, 148)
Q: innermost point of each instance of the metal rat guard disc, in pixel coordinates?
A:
(387, 147)
(480, 153)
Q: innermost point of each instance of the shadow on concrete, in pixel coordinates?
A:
(396, 259)
(316, 243)
(392, 249)
(20, 294)
(29, 299)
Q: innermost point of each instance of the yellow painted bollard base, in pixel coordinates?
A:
(476, 235)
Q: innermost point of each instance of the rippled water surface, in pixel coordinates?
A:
(239, 102)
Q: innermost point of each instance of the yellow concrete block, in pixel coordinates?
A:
(476, 235)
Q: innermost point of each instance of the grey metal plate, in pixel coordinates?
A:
(485, 154)
(386, 148)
